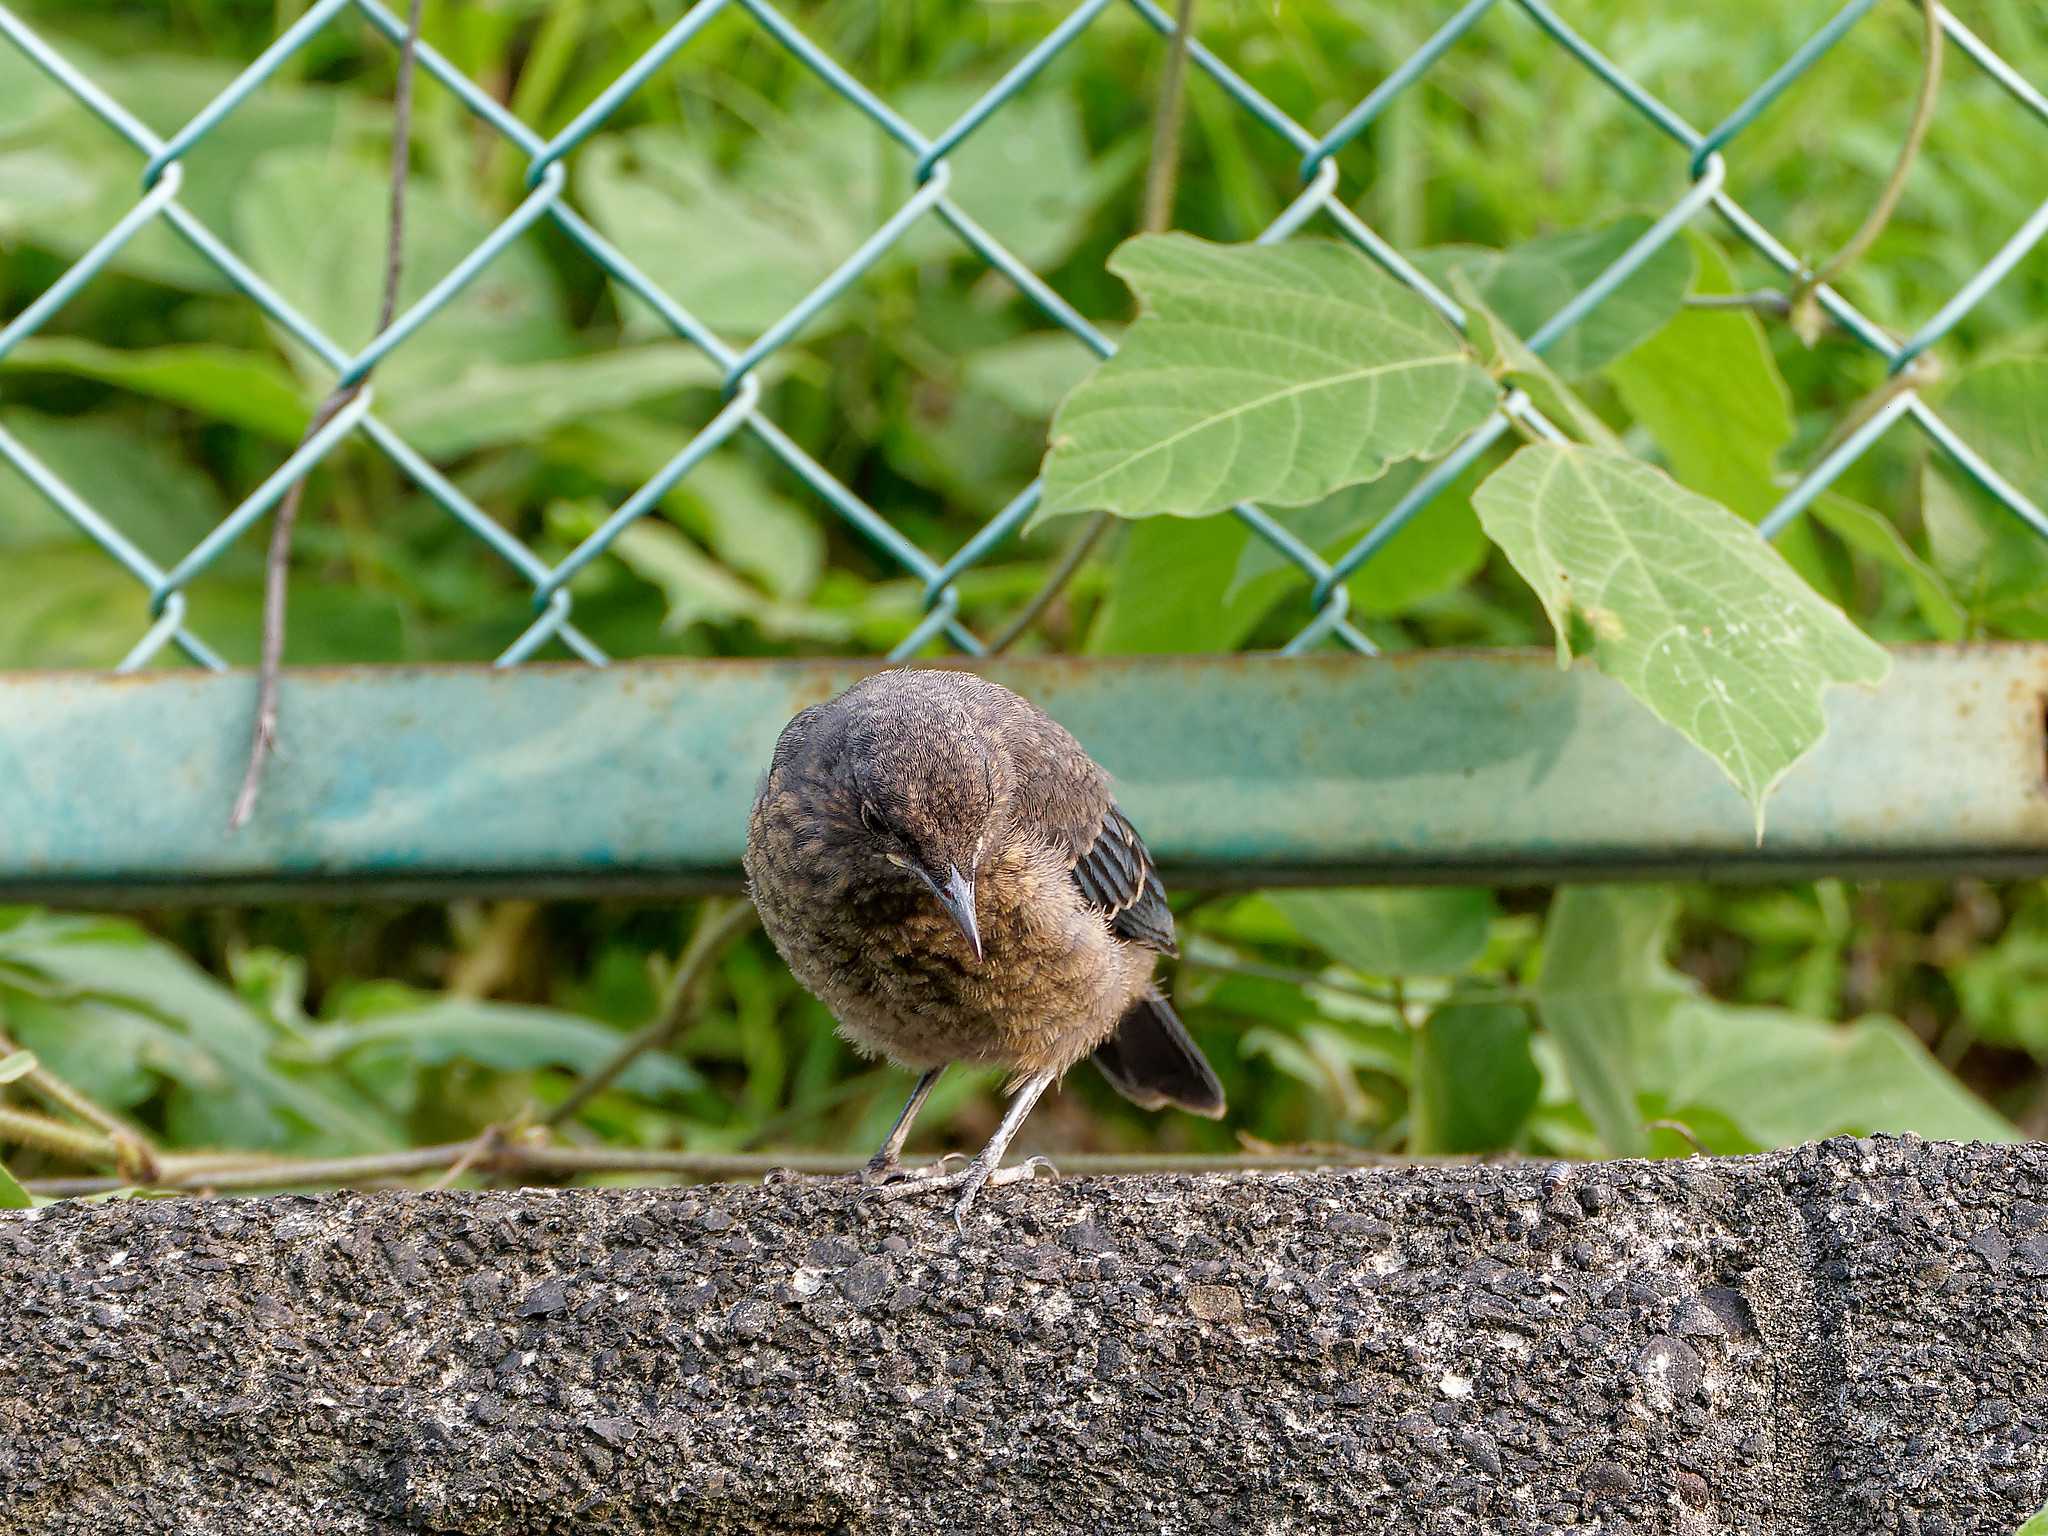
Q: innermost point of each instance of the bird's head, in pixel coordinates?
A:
(927, 797)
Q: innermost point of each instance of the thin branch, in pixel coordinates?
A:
(1071, 561)
(263, 734)
(134, 1154)
(25, 1128)
(715, 930)
(1765, 301)
(1807, 316)
(512, 1157)
(1162, 186)
(1162, 174)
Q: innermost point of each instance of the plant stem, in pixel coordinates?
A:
(263, 734)
(716, 928)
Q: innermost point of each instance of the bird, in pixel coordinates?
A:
(947, 870)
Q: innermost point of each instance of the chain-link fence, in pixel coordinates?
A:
(1321, 201)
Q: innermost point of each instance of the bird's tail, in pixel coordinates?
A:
(1151, 1061)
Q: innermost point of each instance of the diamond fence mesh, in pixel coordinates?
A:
(1321, 202)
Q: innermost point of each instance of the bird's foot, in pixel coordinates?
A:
(883, 1172)
(970, 1181)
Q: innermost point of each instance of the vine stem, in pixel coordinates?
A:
(263, 734)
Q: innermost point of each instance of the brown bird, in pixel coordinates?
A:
(944, 866)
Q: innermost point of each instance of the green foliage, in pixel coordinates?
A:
(1475, 1078)
(550, 395)
(1527, 284)
(1638, 1043)
(1392, 933)
(1690, 611)
(12, 1196)
(2036, 1526)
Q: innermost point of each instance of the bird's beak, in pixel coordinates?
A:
(956, 895)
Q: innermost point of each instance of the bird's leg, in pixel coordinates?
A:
(983, 1170)
(884, 1163)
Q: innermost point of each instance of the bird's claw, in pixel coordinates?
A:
(970, 1181)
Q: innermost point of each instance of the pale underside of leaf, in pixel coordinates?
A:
(1692, 612)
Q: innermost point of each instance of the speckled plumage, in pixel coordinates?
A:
(939, 770)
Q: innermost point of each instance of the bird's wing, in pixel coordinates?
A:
(1116, 877)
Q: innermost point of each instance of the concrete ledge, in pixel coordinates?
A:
(1850, 1338)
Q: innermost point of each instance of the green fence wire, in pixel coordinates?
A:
(1319, 199)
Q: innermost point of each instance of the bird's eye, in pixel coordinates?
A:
(872, 818)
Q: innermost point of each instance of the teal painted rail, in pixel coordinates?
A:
(1488, 767)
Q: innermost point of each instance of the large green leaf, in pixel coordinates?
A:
(737, 250)
(508, 1037)
(1273, 373)
(1690, 610)
(1526, 284)
(1392, 932)
(166, 91)
(1603, 986)
(2037, 1526)
(1475, 1079)
(1173, 589)
(1639, 1042)
(1708, 391)
(12, 1196)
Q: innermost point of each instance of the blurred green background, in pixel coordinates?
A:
(1405, 1022)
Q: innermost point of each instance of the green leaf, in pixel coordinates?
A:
(1780, 1077)
(1602, 987)
(16, 1065)
(1392, 932)
(2037, 1526)
(506, 1037)
(225, 385)
(1509, 359)
(165, 91)
(102, 969)
(1527, 284)
(1691, 611)
(489, 405)
(1878, 537)
(313, 224)
(1708, 391)
(1441, 548)
(1475, 1079)
(1995, 564)
(738, 249)
(701, 591)
(1639, 1042)
(1030, 374)
(1274, 373)
(1172, 589)
(724, 501)
(38, 185)
(12, 1196)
